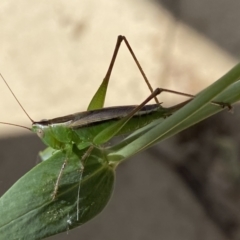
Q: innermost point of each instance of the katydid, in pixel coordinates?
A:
(98, 125)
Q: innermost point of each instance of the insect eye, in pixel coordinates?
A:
(40, 133)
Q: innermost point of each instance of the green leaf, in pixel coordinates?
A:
(28, 211)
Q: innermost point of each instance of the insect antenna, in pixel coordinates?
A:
(18, 103)
(15, 125)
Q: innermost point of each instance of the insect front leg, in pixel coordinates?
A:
(56, 186)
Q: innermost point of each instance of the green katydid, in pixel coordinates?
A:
(98, 125)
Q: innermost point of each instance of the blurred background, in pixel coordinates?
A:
(54, 55)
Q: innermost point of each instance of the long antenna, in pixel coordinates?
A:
(18, 103)
(16, 125)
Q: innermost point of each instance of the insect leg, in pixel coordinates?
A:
(54, 194)
(221, 104)
(84, 157)
(98, 99)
